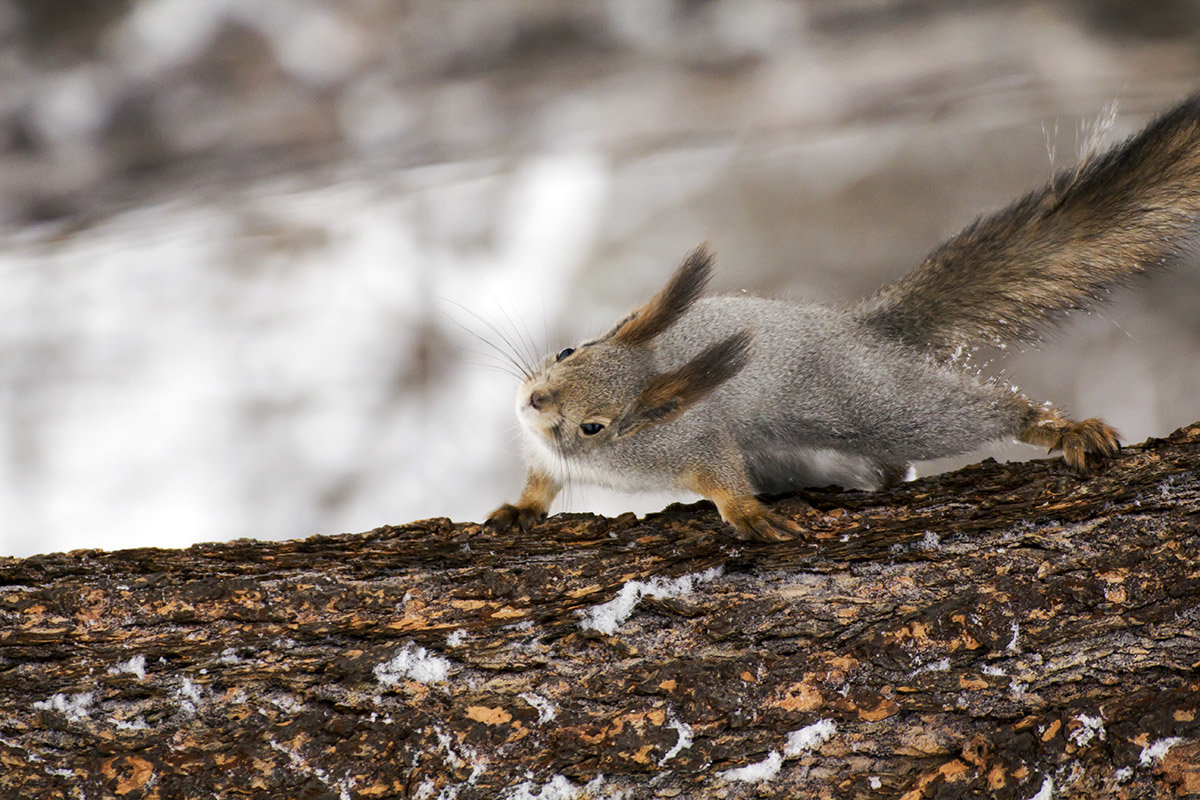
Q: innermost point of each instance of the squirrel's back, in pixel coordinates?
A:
(818, 375)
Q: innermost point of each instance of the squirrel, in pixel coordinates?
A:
(736, 396)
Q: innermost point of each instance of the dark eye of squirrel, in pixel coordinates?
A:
(564, 353)
(591, 428)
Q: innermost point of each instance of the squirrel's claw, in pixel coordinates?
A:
(508, 516)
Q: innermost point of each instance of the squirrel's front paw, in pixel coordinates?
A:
(508, 516)
(766, 526)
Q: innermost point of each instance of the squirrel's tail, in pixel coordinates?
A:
(1116, 215)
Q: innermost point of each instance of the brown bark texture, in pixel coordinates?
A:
(1008, 631)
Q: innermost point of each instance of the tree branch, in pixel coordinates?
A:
(990, 632)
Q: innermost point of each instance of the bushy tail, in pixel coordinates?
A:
(1132, 209)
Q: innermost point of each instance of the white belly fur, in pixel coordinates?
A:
(540, 455)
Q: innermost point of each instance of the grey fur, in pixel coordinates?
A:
(817, 383)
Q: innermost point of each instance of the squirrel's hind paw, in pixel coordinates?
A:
(766, 526)
(508, 516)
(1077, 440)
(746, 513)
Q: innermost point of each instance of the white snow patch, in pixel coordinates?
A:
(286, 702)
(1153, 753)
(456, 638)
(1015, 641)
(74, 708)
(1047, 790)
(799, 741)
(1123, 774)
(469, 756)
(936, 666)
(931, 540)
(189, 696)
(757, 772)
(446, 743)
(607, 617)
(809, 737)
(1089, 728)
(557, 788)
(425, 790)
(874, 782)
(682, 743)
(228, 656)
(546, 709)
(413, 662)
(137, 724)
(134, 666)
(993, 671)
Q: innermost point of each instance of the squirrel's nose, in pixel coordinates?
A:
(538, 399)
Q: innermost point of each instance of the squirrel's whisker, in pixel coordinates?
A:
(510, 355)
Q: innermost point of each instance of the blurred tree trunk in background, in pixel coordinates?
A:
(1007, 631)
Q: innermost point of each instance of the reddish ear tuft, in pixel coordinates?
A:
(666, 307)
(668, 395)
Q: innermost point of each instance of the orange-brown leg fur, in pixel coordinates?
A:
(532, 506)
(1077, 440)
(741, 509)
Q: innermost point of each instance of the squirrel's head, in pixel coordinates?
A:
(607, 388)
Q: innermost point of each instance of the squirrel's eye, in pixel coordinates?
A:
(564, 353)
(591, 428)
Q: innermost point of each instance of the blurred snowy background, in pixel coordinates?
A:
(239, 238)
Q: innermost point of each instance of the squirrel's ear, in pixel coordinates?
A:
(668, 395)
(685, 286)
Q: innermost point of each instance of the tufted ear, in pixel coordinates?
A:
(668, 395)
(684, 288)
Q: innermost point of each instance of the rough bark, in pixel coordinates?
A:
(1008, 630)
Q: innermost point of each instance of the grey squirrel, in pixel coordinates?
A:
(735, 396)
